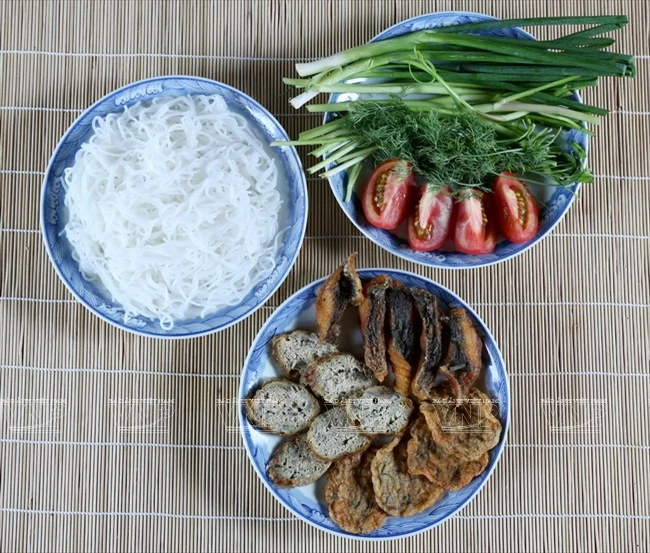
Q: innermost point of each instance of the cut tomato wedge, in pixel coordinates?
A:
(387, 194)
(430, 224)
(517, 211)
(475, 231)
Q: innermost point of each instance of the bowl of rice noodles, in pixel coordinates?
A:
(166, 212)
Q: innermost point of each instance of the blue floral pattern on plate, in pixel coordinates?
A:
(551, 214)
(53, 193)
(304, 501)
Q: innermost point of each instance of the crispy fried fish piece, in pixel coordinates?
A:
(465, 428)
(342, 288)
(350, 496)
(427, 308)
(372, 315)
(398, 492)
(401, 339)
(443, 469)
(463, 360)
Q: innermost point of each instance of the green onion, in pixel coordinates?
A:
(452, 36)
(462, 107)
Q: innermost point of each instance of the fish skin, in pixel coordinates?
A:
(463, 359)
(341, 289)
(402, 336)
(426, 305)
(372, 316)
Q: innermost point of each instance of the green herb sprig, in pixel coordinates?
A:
(484, 104)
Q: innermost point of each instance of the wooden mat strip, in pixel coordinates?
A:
(572, 316)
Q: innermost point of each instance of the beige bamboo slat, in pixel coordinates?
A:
(572, 315)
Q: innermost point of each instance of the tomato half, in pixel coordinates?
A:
(475, 231)
(517, 212)
(430, 224)
(387, 194)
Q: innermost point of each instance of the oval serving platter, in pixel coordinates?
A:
(306, 502)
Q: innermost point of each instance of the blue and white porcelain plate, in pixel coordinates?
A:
(307, 502)
(53, 216)
(555, 200)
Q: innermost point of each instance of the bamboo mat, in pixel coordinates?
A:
(572, 316)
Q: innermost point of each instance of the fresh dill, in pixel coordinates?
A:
(463, 150)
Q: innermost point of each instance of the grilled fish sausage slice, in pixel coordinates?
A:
(282, 407)
(294, 351)
(427, 459)
(401, 339)
(331, 436)
(372, 316)
(336, 376)
(341, 289)
(426, 305)
(350, 496)
(379, 411)
(293, 463)
(463, 360)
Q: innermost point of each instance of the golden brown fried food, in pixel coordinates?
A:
(463, 360)
(429, 460)
(350, 496)
(398, 492)
(372, 317)
(465, 428)
(341, 289)
(426, 306)
(401, 340)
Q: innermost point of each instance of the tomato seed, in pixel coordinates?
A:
(521, 206)
(421, 232)
(379, 193)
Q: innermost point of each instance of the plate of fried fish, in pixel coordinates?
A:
(374, 403)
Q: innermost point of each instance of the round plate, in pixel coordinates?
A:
(53, 216)
(306, 502)
(556, 200)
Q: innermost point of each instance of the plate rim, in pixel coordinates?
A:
(301, 180)
(243, 422)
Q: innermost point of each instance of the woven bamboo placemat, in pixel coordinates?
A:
(571, 316)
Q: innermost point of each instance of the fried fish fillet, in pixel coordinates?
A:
(350, 496)
(463, 360)
(465, 428)
(341, 289)
(398, 492)
(443, 469)
(427, 308)
(372, 315)
(401, 339)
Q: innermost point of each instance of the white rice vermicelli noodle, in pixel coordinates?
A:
(174, 206)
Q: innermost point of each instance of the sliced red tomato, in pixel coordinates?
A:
(387, 194)
(517, 212)
(430, 224)
(475, 231)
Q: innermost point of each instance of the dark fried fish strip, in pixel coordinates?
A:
(427, 459)
(372, 315)
(465, 428)
(463, 360)
(426, 305)
(398, 492)
(401, 339)
(342, 288)
(350, 496)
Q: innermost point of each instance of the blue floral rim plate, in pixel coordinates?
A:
(53, 218)
(298, 312)
(557, 200)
